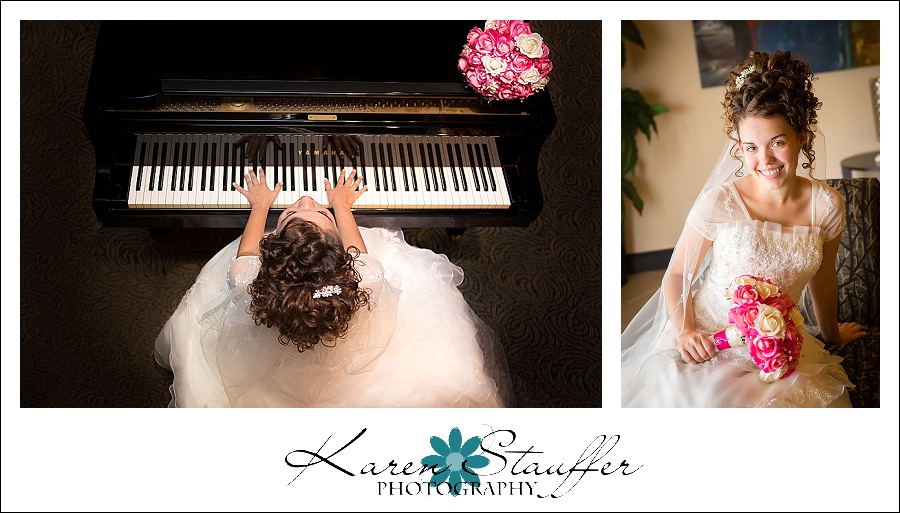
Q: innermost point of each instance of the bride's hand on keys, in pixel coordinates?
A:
(257, 191)
(696, 346)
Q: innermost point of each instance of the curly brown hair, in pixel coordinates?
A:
(296, 261)
(776, 85)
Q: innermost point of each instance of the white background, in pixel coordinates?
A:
(694, 460)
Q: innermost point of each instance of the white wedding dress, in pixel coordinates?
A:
(418, 344)
(653, 374)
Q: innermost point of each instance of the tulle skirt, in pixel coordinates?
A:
(419, 345)
(653, 375)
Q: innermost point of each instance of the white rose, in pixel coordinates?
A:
(530, 76)
(772, 377)
(540, 84)
(493, 65)
(769, 322)
(531, 44)
(765, 289)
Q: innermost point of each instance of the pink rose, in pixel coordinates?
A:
(463, 64)
(544, 66)
(766, 347)
(485, 42)
(519, 63)
(745, 294)
(743, 317)
(521, 90)
(518, 27)
(505, 93)
(507, 77)
(472, 37)
(477, 79)
(474, 59)
(545, 51)
(504, 46)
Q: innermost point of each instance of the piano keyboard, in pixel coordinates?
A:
(196, 171)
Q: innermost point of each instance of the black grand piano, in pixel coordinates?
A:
(169, 101)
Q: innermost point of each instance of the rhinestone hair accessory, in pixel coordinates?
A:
(739, 81)
(327, 291)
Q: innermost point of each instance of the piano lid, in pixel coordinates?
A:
(140, 59)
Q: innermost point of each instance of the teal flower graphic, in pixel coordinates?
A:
(454, 461)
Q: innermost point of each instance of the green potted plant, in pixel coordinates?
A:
(637, 114)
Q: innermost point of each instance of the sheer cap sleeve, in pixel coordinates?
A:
(714, 207)
(828, 212)
(243, 271)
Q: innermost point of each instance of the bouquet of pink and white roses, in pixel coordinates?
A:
(768, 322)
(505, 61)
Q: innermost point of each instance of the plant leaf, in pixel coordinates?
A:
(631, 33)
(630, 192)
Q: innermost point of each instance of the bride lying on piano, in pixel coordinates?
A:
(322, 313)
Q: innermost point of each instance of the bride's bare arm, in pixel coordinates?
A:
(693, 345)
(823, 290)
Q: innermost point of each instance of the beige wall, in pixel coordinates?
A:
(675, 164)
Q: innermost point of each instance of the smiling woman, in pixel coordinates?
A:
(320, 312)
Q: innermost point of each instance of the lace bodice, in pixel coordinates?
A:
(789, 257)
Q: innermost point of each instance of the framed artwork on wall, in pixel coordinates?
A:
(826, 45)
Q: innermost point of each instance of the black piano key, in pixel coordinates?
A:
(375, 166)
(335, 171)
(361, 164)
(489, 165)
(205, 162)
(403, 165)
(286, 171)
(383, 159)
(474, 165)
(313, 164)
(153, 165)
(412, 171)
(440, 166)
(140, 165)
(452, 165)
(184, 167)
(235, 165)
(190, 173)
(481, 167)
(462, 174)
(212, 170)
(424, 167)
(175, 158)
(244, 167)
(390, 155)
(290, 165)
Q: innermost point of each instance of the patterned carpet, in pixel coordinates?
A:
(93, 298)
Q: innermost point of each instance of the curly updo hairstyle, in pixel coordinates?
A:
(766, 85)
(295, 262)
